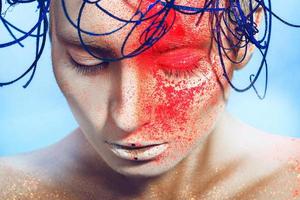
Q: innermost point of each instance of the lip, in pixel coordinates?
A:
(137, 152)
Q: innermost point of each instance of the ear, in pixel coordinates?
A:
(240, 53)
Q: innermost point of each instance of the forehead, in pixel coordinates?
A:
(107, 15)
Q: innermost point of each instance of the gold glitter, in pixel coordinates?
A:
(18, 185)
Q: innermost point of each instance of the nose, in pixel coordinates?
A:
(125, 107)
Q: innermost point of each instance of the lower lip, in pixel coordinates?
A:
(140, 154)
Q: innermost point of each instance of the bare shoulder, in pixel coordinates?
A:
(18, 181)
(282, 155)
(272, 166)
(285, 153)
(261, 144)
(34, 175)
(63, 171)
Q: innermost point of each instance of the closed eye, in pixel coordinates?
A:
(84, 63)
(181, 61)
(88, 70)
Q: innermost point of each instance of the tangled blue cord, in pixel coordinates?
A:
(233, 27)
(38, 31)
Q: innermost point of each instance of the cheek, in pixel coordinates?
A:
(181, 110)
(180, 115)
(87, 97)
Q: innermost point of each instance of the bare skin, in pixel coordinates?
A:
(234, 162)
(209, 156)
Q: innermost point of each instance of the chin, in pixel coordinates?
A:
(143, 169)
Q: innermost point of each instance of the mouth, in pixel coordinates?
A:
(137, 153)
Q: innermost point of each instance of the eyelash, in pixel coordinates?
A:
(95, 69)
(89, 69)
(180, 74)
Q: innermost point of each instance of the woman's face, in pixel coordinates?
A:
(145, 114)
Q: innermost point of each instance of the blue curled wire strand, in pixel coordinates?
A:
(38, 31)
(234, 29)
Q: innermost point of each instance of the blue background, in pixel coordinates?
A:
(39, 115)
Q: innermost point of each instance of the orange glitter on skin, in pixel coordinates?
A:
(296, 169)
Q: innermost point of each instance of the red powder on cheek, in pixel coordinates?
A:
(166, 107)
(174, 102)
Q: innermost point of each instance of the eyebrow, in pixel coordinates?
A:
(165, 44)
(72, 39)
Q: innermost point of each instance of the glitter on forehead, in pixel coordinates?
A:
(233, 28)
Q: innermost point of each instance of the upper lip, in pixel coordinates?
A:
(137, 153)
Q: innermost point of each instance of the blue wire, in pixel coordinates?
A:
(230, 23)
